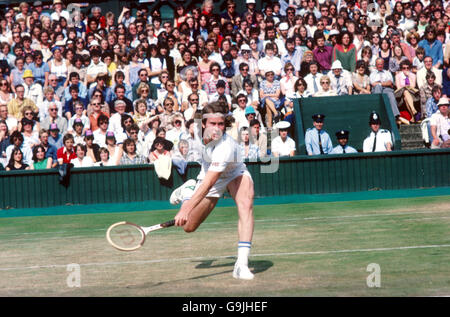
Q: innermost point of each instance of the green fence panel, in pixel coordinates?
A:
(297, 175)
(345, 113)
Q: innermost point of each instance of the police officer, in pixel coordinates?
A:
(379, 140)
(317, 140)
(343, 147)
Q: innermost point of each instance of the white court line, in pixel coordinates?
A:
(203, 258)
(256, 221)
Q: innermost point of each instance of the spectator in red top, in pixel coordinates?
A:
(97, 14)
(66, 153)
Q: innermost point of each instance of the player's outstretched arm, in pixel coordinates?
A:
(188, 206)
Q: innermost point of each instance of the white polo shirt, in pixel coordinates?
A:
(283, 148)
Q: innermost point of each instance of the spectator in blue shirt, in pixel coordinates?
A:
(432, 47)
(74, 79)
(40, 69)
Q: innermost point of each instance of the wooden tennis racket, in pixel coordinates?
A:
(127, 236)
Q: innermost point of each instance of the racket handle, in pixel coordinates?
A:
(168, 223)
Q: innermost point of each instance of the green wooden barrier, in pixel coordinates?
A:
(345, 113)
(297, 175)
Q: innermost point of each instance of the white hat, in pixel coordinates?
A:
(443, 101)
(336, 65)
(94, 43)
(245, 47)
(250, 1)
(283, 125)
(333, 32)
(284, 26)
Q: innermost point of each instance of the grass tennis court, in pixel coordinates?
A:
(311, 249)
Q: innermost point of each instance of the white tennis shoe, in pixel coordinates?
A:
(182, 192)
(242, 272)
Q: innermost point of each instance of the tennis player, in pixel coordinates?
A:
(221, 170)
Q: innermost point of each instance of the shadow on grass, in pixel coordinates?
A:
(255, 266)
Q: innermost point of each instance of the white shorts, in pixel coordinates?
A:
(219, 188)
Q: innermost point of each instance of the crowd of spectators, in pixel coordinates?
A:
(96, 89)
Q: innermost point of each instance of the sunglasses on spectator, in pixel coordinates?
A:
(53, 109)
(104, 122)
(178, 122)
(192, 100)
(324, 82)
(28, 113)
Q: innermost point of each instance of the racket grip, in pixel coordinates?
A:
(168, 223)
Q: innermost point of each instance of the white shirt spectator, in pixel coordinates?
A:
(282, 148)
(86, 162)
(310, 79)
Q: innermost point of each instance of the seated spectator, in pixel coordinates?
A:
(361, 82)
(397, 58)
(325, 84)
(78, 131)
(317, 140)
(221, 93)
(50, 150)
(432, 102)
(418, 61)
(174, 134)
(270, 93)
(79, 115)
(129, 154)
(440, 125)
(66, 153)
(81, 159)
(287, 82)
(237, 83)
(422, 73)
(40, 160)
(95, 107)
(55, 138)
(54, 118)
(92, 149)
(379, 140)
(195, 145)
(115, 151)
(119, 92)
(249, 151)
(159, 149)
(17, 141)
(345, 51)
(406, 92)
(322, 53)
(171, 92)
(4, 141)
(251, 93)
(313, 77)
(283, 145)
(27, 113)
(427, 91)
(9, 120)
(32, 89)
(340, 79)
(49, 97)
(104, 158)
(16, 162)
(270, 63)
(100, 133)
(15, 105)
(382, 82)
(343, 147)
(74, 79)
(30, 137)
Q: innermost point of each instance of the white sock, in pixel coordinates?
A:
(243, 252)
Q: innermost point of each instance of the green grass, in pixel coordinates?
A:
(313, 249)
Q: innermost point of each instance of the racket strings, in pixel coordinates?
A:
(126, 236)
